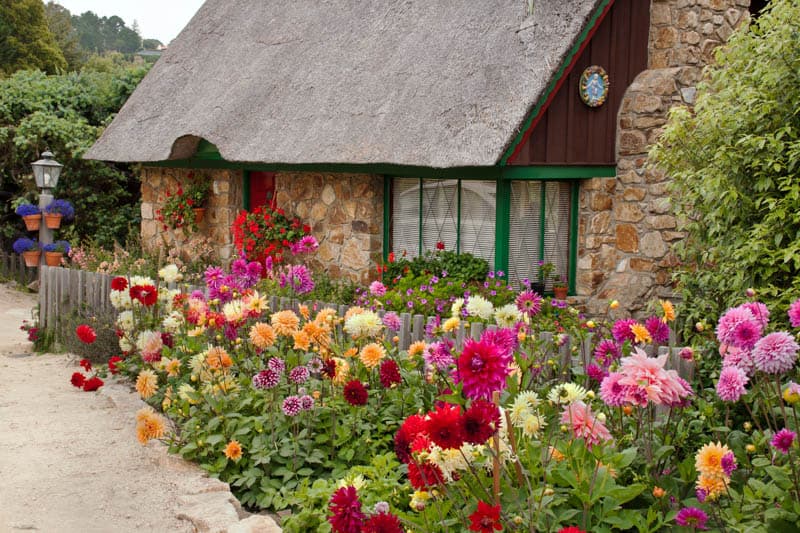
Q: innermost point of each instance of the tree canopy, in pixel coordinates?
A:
(735, 160)
(25, 40)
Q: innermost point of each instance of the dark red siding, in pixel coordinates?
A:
(572, 133)
(262, 188)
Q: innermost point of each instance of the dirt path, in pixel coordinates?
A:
(70, 462)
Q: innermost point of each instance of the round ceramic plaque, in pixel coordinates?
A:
(593, 86)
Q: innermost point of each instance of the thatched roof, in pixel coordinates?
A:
(437, 83)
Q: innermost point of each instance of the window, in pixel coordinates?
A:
(463, 214)
(459, 213)
(539, 228)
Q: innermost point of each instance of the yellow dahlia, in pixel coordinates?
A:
(304, 311)
(146, 383)
(371, 354)
(342, 371)
(708, 460)
(713, 486)
(285, 322)
(416, 348)
(233, 450)
(640, 333)
(669, 310)
(254, 304)
(262, 335)
(451, 324)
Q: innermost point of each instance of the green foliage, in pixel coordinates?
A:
(25, 40)
(59, 22)
(103, 34)
(463, 266)
(66, 114)
(734, 163)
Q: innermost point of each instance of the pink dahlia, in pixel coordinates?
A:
(606, 352)
(730, 386)
(730, 320)
(760, 312)
(775, 353)
(783, 440)
(376, 288)
(658, 329)
(738, 357)
(692, 517)
(596, 373)
(746, 334)
(612, 392)
(585, 424)
(794, 313)
(346, 515)
(621, 331)
(483, 366)
(647, 374)
(529, 302)
(292, 406)
(392, 321)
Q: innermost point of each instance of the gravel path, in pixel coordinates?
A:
(70, 461)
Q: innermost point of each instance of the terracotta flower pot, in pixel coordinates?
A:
(53, 220)
(53, 259)
(560, 293)
(32, 257)
(199, 214)
(32, 222)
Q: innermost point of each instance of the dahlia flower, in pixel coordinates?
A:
(730, 386)
(483, 367)
(692, 517)
(346, 515)
(775, 353)
(584, 423)
(783, 440)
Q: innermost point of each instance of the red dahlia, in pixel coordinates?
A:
(486, 518)
(86, 334)
(329, 368)
(92, 384)
(480, 421)
(146, 294)
(444, 426)
(119, 284)
(408, 431)
(425, 475)
(355, 393)
(77, 379)
(390, 373)
(346, 515)
(382, 523)
(571, 529)
(112, 364)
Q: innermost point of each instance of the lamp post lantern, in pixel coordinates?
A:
(46, 171)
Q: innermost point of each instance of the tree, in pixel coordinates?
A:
(25, 40)
(734, 161)
(103, 34)
(59, 21)
(151, 44)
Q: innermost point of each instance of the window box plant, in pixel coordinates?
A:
(54, 252)
(560, 288)
(28, 249)
(56, 211)
(31, 214)
(184, 208)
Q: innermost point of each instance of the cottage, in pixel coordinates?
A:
(514, 132)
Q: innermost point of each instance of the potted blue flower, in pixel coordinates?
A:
(57, 210)
(54, 252)
(31, 214)
(29, 249)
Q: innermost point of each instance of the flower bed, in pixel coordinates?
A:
(323, 413)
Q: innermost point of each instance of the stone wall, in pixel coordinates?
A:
(345, 213)
(626, 226)
(224, 202)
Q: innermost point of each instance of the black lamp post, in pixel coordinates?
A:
(46, 171)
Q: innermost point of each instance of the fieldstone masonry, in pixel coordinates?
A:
(345, 213)
(626, 228)
(224, 202)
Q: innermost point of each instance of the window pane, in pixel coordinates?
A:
(478, 217)
(439, 213)
(524, 231)
(405, 216)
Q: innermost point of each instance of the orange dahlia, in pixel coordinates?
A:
(371, 354)
(149, 425)
(146, 383)
(285, 322)
(233, 450)
(708, 460)
(218, 358)
(640, 333)
(301, 340)
(262, 335)
(416, 348)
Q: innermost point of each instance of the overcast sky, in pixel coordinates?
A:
(158, 19)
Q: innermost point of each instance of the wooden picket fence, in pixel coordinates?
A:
(12, 267)
(63, 291)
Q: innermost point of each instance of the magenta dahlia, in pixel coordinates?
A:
(621, 330)
(658, 329)
(692, 517)
(483, 367)
(783, 440)
(346, 515)
(794, 313)
(775, 353)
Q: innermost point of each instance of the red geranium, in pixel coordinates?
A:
(355, 393)
(77, 379)
(92, 384)
(486, 518)
(266, 232)
(146, 294)
(119, 284)
(85, 333)
(440, 245)
(112, 364)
